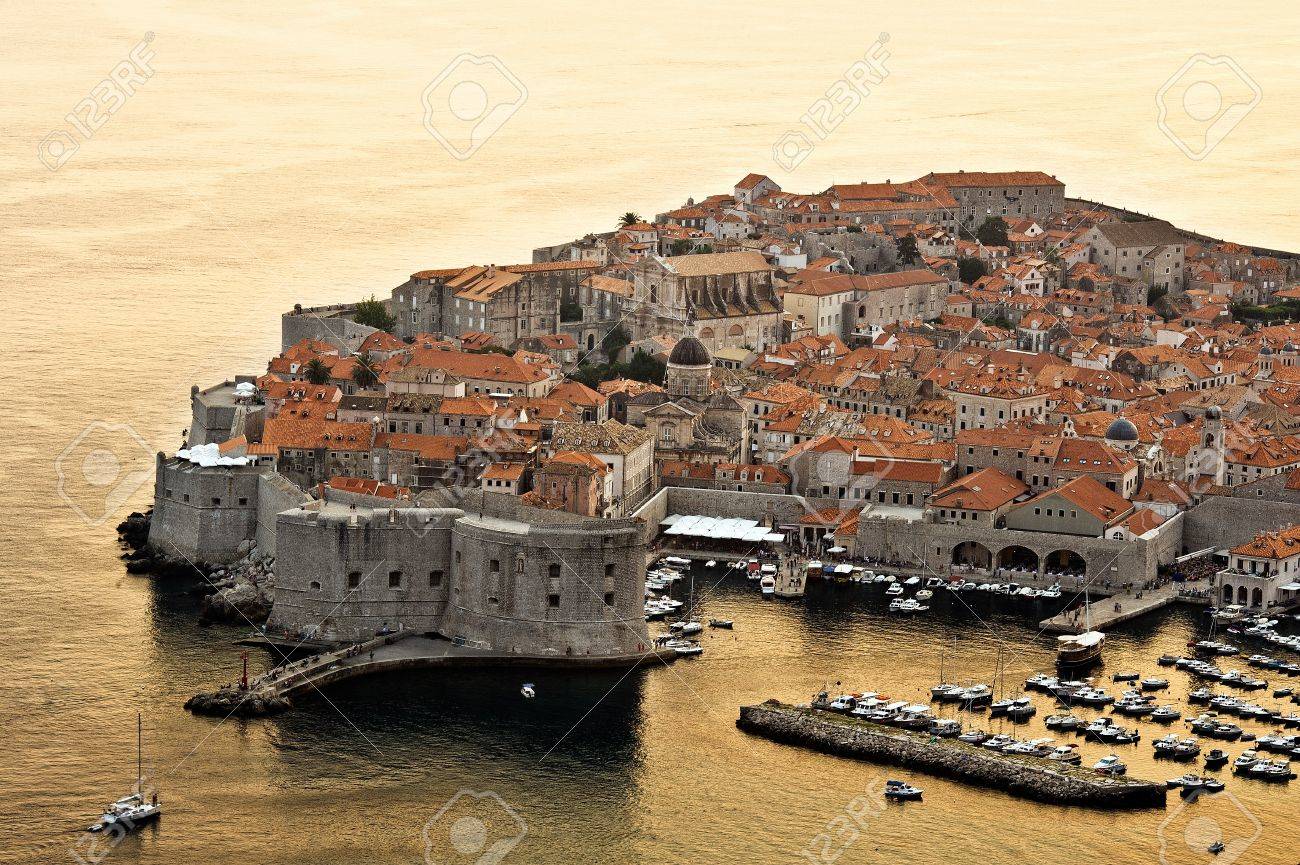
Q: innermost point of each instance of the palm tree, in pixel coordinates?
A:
(629, 218)
(364, 374)
(316, 371)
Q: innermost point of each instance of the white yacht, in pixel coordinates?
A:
(131, 812)
(767, 584)
(894, 589)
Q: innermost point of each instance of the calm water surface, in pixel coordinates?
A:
(278, 156)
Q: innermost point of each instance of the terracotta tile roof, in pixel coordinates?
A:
(610, 437)
(970, 179)
(984, 490)
(503, 472)
(1271, 545)
(716, 263)
(1088, 494)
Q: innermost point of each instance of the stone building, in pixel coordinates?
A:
(1151, 251)
(628, 452)
(495, 574)
(511, 303)
(1263, 572)
(1008, 194)
(729, 295)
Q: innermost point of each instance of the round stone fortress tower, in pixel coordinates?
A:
(492, 573)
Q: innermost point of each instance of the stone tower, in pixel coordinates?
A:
(690, 367)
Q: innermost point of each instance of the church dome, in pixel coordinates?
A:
(689, 351)
(1213, 413)
(1266, 350)
(1122, 430)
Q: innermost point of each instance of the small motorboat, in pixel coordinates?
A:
(945, 728)
(1167, 660)
(721, 623)
(1165, 715)
(924, 595)
(711, 563)
(894, 589)
(528, 690)
(1216, 758)
(1066, 754)
(685, 647)
(1154, 684)
(1110, 765)
(1126, 677)
(767, 584)
(684, 628)
(973, 737)
(1188, 781)
(1064, 723)
(902, 792)
(1245, 761)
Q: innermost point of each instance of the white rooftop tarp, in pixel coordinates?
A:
(721, 528)
(210, 455)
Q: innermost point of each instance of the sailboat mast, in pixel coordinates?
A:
(139, 743)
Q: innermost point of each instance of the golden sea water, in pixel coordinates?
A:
(278, 154)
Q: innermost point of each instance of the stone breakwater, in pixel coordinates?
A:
(1030, 777)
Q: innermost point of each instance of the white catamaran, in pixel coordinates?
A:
(131, 812)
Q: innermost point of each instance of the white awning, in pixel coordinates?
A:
(837, 550)
(1290, 587)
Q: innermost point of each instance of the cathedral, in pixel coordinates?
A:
(691, 419)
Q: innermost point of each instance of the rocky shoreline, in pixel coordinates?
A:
(1032, 778)
(233, 701)
(238, 593)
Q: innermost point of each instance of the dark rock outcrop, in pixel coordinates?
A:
(234, 701)
(1033, 778)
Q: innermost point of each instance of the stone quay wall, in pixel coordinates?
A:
(1032, 778)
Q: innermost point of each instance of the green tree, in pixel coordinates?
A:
(317, 371)
(629, 218)
(969, 270)
(373, 313)
(643, 367)
(681, 247)
(993, 232)
(614, 342)
(364, 373)
(907, 251)
(570, 310)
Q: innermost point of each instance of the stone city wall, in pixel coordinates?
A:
(326, 323)
(1223, 522)
(203, 514)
